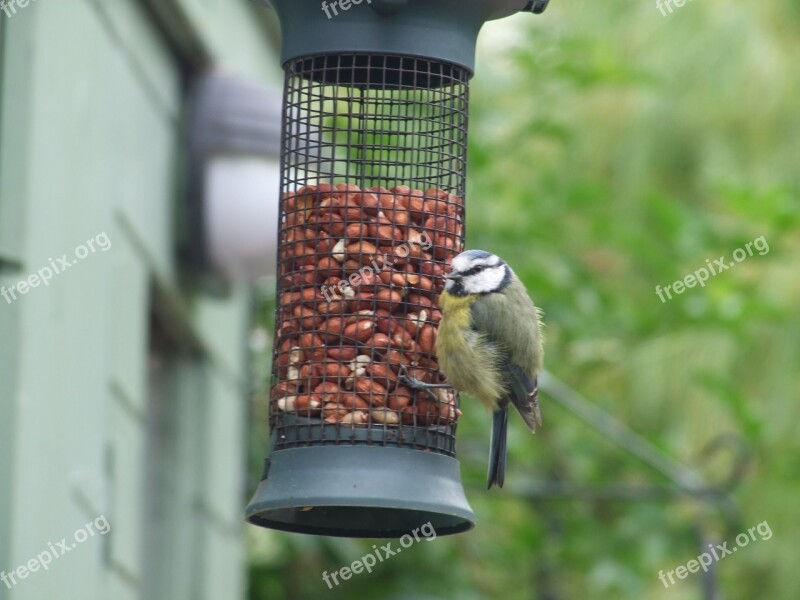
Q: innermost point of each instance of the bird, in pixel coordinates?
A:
(490, 344)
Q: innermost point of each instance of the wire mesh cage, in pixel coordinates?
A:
(373, 173)
(374, 157)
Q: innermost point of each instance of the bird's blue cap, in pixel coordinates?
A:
(477, 254)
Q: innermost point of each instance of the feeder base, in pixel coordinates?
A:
(360, 491)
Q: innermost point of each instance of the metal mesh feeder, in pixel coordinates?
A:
(373, 174)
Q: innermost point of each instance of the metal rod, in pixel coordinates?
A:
(619, 433)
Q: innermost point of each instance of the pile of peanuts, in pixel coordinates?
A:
(360, 274)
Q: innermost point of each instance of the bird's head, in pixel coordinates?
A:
(477, 272)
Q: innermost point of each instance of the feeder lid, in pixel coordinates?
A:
(441, 30)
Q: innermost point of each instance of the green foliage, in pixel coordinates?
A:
(613, 150)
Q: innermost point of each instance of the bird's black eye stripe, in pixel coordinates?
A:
(474, 270)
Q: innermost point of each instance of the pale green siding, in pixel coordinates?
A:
(93, 94)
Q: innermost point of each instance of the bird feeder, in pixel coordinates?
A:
(373, 165)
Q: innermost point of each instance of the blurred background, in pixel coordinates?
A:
(613, 149)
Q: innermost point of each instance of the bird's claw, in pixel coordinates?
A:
(418, 385)
(537, 413)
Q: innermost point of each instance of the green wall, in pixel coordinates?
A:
(121, 393)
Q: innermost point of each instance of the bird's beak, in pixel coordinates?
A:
(451, 281)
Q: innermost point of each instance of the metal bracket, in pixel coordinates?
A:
(537, 6)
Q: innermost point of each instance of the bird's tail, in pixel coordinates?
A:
(497, 452)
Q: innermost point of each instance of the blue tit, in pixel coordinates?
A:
(490, 344)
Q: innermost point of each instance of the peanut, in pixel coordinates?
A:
(360, 272)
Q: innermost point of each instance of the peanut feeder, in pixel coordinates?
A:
(374, 140)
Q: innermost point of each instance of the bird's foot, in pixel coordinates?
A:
(534, 404)
(420, 386)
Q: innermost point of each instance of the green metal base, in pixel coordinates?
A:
(360, 491)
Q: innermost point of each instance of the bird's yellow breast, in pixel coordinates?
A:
(467, 362)
(456, 310)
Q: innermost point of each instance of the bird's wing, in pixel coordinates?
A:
(514, 341)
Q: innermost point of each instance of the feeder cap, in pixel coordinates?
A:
(441, 30)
